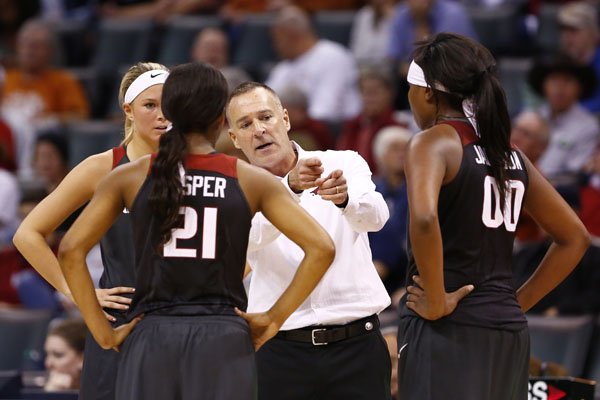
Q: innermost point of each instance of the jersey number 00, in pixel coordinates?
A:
(492, 215)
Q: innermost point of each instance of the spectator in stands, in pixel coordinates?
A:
(309, 133)
(574, 131)
(388, 246)
(531, 135)
(9, 202)
(34, 87)
(64, 354)
(590, 198)
(578, 294)
(7, 146)
(377, 112)
(579, 36)
(38, 97)
(371, 32)
(51, 159)
(212, 47)
(416, 20)
(12, 15)
(324, 70)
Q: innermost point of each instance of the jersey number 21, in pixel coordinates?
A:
(189, 230)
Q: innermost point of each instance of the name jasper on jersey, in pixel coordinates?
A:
(206, 186)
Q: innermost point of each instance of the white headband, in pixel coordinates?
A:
(143, 82)
(417, 77)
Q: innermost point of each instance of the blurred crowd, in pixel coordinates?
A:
(339, 67)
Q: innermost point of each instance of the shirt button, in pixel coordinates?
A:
(369, 326)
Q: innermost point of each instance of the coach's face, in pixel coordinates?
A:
(259, 125)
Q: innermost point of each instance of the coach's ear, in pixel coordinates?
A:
(234, 138)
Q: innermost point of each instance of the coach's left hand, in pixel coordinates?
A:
(333, 188)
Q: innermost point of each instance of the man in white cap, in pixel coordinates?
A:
(579, 38)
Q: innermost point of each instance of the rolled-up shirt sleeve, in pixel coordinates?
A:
(366, 210)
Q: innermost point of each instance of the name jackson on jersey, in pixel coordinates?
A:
(206, 186)
(481, 158)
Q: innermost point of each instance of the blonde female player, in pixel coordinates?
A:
(140, 95)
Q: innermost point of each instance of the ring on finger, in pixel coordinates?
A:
(337, 190)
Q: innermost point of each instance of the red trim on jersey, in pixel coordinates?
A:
(217, 162)
(465, 131)
(152, 158)
(118, 154)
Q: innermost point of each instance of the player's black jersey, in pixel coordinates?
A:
(200, 270)
(478, 236)
(117, 248)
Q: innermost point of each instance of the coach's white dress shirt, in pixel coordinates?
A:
(351, 289)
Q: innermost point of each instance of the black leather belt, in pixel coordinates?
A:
(326, 334)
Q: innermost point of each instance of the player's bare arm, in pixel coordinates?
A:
(271, 198)
(433, 158)
(570, 238)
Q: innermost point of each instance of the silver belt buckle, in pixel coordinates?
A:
(313, 337)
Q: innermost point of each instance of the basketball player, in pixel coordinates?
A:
(140, 94)
(191, 210)
(463, 333)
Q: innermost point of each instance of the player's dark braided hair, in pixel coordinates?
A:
(466, 69)
(193, 99)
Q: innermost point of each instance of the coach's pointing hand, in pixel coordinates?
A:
(304, 174)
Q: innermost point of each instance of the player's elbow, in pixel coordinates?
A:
(424, 222)
(576, 237)
(582, 239)
(104, 341)
(324, 251)
(68, 253)
(19, 239)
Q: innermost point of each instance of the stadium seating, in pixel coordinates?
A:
(121, 42)
(593, 364)
(334, 25)
(501, 29)
(74, 42)
(179, 36)
(23, 336)
(564, 340)
(548, 34)
(512, 73)
(253, 44)
(91, 137)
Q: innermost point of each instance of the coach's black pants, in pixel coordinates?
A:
(357, 368)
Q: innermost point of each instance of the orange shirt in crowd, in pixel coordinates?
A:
(60, 93)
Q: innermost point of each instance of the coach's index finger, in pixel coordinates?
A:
(313, 164)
